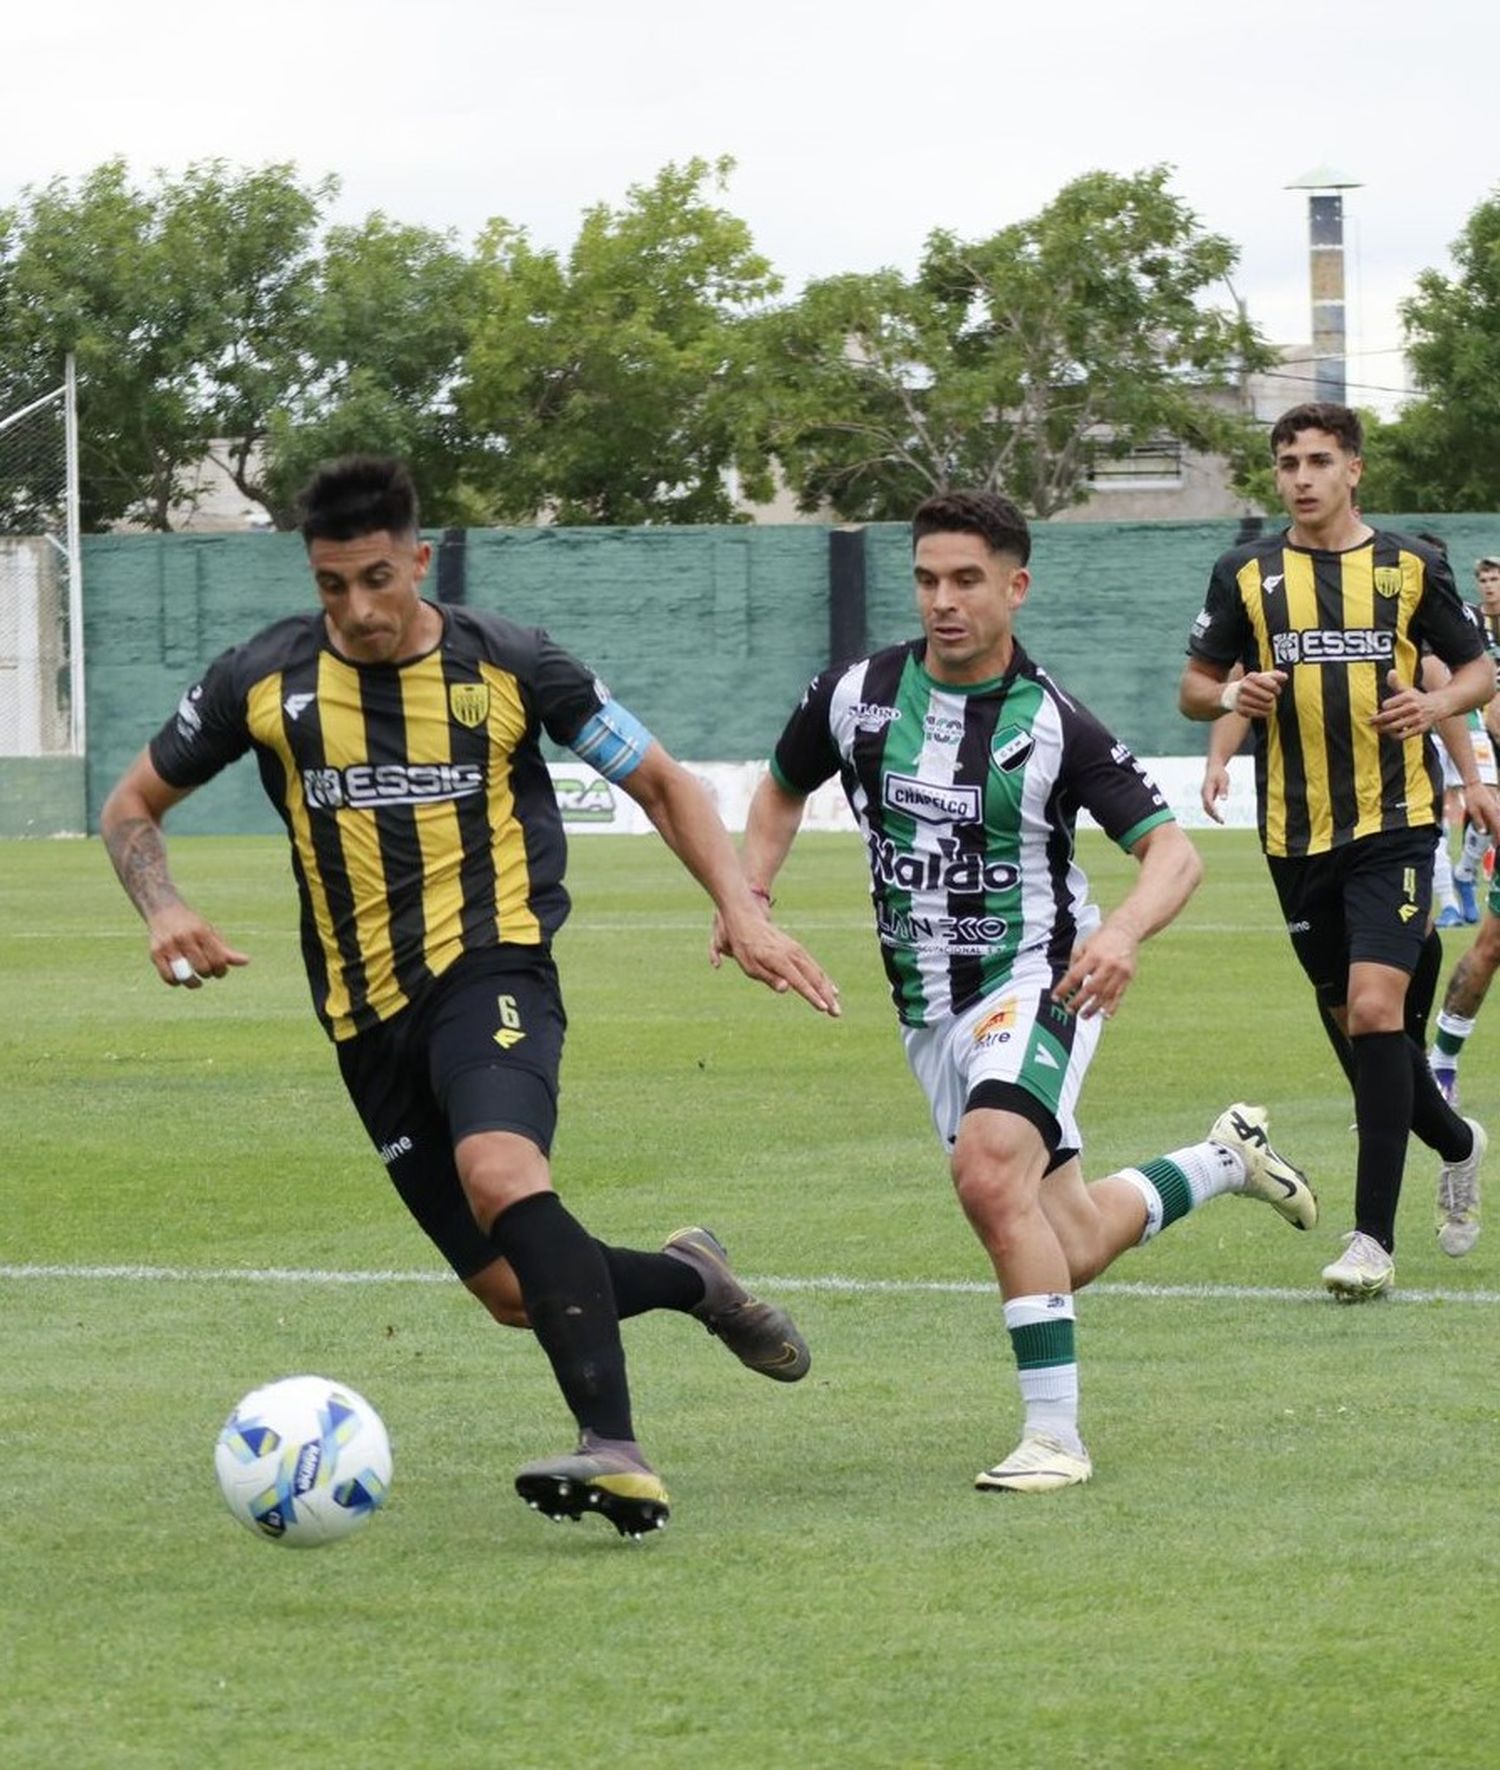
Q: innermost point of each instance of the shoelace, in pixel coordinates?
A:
(1456, 1189)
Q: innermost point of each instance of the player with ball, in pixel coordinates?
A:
(399, 742)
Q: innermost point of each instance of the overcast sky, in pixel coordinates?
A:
(856, 128)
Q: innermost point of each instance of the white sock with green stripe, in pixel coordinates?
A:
(1042, 1336)
(1175, 1184)
(1471, 855)
(1453, 1032)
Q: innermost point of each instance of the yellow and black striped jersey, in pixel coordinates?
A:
(1336, 623)
(420, 811)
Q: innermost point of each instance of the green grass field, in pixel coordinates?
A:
(1287, 1555)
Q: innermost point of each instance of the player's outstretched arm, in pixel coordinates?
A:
(184, 948)
(771, 826)
(1105, 963)
(690, 826)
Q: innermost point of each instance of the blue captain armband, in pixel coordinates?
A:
(612, 741)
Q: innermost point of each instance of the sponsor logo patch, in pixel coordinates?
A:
(947, 870)
(367, 786)
(189, 720)
(873, 716)
(941, 729)
(930, 801)
(297, 704)
(996, 1027)
(954, 936)
(1323, 645)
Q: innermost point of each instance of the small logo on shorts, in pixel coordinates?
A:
(995, 1028)
(396, 1148)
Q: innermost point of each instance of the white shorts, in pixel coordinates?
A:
(1018, 1034)
(1484, 758)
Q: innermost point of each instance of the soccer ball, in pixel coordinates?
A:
(303, 1462)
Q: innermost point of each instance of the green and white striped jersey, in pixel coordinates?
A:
(967, 798)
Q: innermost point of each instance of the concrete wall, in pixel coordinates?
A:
(709, 634)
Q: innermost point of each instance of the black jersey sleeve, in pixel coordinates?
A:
(1221, 633)
(805, 755)
(1105, 778)
(209, 729)
(568, 694)
(1442, 624)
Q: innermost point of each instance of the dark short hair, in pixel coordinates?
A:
(994, 519)
(1433, 540)
(1490, 562)
(358, 495)
(1321, 414)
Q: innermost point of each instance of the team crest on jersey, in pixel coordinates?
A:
(1388, 580)
(469, 702)
(1010, 749)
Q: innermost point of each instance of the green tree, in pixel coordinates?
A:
(210, 315)
(1443, 450)
(617, 384)
(181, 304)
(1012, 362)
(389, 315)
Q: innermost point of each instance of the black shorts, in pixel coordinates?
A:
(1367, 901)
(479, 1051)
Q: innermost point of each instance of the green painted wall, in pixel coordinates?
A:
(709, 634)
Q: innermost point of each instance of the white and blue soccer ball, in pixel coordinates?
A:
(304, 1462)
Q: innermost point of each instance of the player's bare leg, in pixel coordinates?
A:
(998, 1163)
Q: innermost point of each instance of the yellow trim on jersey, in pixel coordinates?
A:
(343, 725)
(424, 706)
(1357, 587)
(1307, 688)
(263, 717)
(1407, 665)
(506, 725)
(1251, 596)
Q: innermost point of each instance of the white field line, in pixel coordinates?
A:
(295, 1275)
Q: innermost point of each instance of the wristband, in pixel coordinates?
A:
(1229, 695)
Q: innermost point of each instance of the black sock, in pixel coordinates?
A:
(1338, 1040)
(1432, 1119)
(1423, 987)
(1383, 1086)
(565, 1285)
(651, 1281)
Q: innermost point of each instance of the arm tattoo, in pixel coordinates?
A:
(140, 858)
